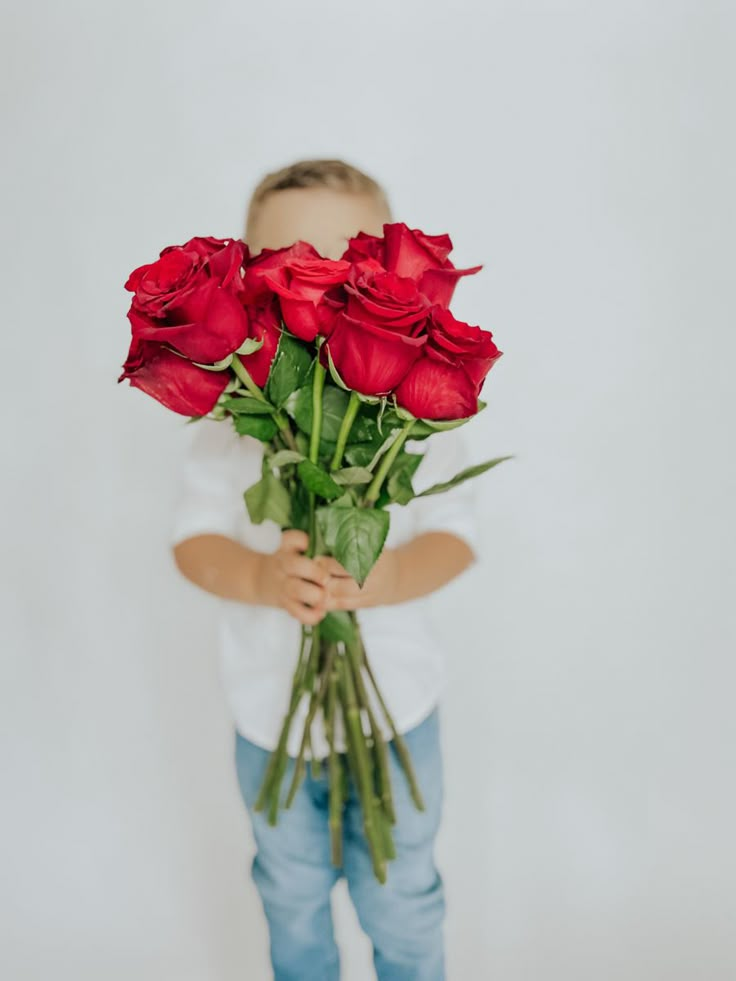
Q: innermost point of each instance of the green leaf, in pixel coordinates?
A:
(328, 520)
(262, 427)
(360, 454)
(399, 485)
(337, 626)
(247, 406)
(318, 480)
(368, 454)
(464, 475)
(289, 369)
(284, 457)
(268, 500)
(361, 533)
(352, 475)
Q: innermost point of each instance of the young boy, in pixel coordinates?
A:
(269, 587)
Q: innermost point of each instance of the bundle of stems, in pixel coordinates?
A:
(336, 678)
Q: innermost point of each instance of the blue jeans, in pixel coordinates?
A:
(294, 875)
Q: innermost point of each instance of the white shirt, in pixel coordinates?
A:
(258, 645)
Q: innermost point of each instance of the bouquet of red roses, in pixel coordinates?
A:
(332, 365)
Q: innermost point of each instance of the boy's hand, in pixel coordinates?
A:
(380, 588)
(288, 579)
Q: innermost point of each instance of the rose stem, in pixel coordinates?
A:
(345, 427)
(279, 754)
(380, 751)
(336, 801)
(315, 764)
(354, 733)
(318, 384)
(384, 825)
(399, 745)
(374, 488)
(383, 803)
(317, 699)
(278, 417)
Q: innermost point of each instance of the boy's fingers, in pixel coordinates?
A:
(301, 567)
(344, 589)
(332, 566)
(301, 591)
(356, 602)
(305, 614)
(294, 540)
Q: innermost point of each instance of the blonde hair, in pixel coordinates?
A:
(334, 174)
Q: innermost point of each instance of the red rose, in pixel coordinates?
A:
(381, 332)
(410, 253)
(190, 299)
(364, 246)
(172, 379)
(437, 390)
(446, 381)
(382, 298)
(455, 342)
(369, 359)
(305, 284)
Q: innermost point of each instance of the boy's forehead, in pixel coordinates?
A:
(323, 216)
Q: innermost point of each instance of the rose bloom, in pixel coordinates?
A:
(305, 284)
(172, 379)
(446, 381)
(380, 333)
(412, 254)
(189, 299)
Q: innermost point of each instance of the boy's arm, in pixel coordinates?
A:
(285, 578)
(204, 527)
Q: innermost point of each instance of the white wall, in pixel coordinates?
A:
(584, 152)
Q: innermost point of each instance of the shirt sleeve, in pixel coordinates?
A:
(454, 510)
(218, 465)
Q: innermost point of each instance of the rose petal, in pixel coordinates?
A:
(173, 380)
(435, 390)
(369, 359)
(222, 329)
(409, 252)
(438, 285)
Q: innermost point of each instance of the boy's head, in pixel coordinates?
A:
(323, 202)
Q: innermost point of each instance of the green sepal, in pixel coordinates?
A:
(283, 458)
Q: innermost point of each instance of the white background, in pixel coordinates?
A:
(583, 151)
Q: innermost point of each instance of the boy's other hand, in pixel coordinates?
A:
(380, 587)
(290, 580)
